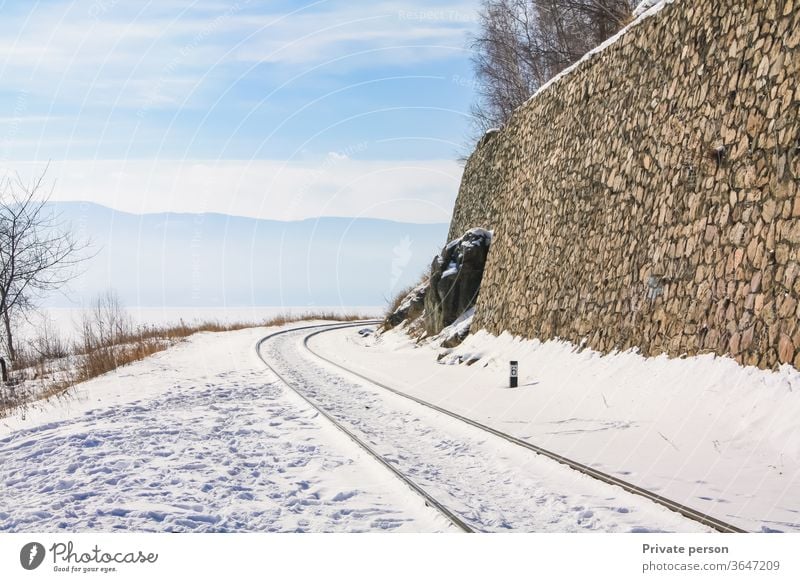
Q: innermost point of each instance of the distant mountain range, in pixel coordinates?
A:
(215, 260)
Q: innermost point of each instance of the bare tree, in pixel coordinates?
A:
(521, 44)
(38, 254)
(108, 323)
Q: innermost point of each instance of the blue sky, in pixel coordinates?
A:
(270, 109)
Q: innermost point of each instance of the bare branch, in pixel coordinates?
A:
(38, 253)
(521, 44)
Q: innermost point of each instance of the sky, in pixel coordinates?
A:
(281, 109)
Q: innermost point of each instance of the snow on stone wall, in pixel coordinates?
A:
(649, 198)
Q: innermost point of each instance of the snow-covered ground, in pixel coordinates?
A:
(200, 437)
(491, 484)
(704, 431)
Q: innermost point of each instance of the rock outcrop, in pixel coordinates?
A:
(455, 279)
(447, 296)
(410, 308)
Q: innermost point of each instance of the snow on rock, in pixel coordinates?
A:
(455, 333)
(449, 293)
(488, 135)
(452, 269)
(410, 307)
(455, 279)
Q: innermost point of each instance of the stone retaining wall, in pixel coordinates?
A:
(650, 197)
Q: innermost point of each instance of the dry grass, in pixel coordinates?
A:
(395, 302)
(99, 359)
(56, 367)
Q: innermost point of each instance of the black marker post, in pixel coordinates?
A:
(512, 380)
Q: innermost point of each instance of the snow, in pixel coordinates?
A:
(449, 246)
(491, 484)
(451, 270)
(459, 328)
(200, 437)
(486, 234)
(412, 296)
(480, 232)
(482, 237)
(703, 431)
(644, 6)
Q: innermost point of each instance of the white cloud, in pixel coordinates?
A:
(403, 190)
(314, 39)
(73, 50)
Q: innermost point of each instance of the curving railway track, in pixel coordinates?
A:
(429, 499)
(455, 481)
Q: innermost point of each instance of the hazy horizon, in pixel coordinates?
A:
(90, 204)
(213, 260)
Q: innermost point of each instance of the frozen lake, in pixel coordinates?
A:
(66, 320)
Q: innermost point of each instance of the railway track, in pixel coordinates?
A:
(685, 511)
(429, 499)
